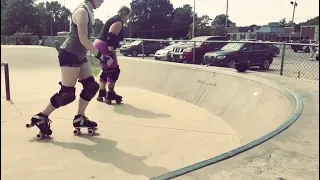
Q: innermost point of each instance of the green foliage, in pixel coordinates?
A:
(150, 19)
(153, 15)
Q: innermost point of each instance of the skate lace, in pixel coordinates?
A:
(49, 122)
(86, 119)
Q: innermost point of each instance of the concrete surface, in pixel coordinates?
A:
(173, 116)
(292, 155)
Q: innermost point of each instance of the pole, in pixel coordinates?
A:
(227, 8)
(65, 15)
(294, 10)
(193, 18)
(153, 31)
(193, 24)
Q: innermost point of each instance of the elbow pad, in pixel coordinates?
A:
(112, 39)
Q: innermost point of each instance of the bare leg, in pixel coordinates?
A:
(85, 72)
(69, 79)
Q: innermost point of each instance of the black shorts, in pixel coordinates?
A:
(68, 59)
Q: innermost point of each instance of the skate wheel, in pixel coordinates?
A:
(39, 136)
(90, 132)
(119, 101)
(100, 99)
(108, 101)
(76, 132)
(28, 125)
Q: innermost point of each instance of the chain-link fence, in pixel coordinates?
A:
(293, 60)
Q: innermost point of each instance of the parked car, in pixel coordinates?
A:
(135, 48)
(164, 54)
(275, 50)
(317, 55)
(297, 48)
(184, 52)
(253, 54)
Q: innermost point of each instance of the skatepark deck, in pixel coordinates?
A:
(172, 116)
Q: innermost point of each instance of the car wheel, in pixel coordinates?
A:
(156, 58)
(134, 53)
(243, 67)
(295, 50)
(125, 54)
(232, 64)
(265, 64)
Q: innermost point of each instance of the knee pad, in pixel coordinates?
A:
(90, 88)
(65, 96)
(111, 73)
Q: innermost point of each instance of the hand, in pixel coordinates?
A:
(107, 60)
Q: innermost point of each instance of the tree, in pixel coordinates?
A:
(151, 17)
(56, 19)
(19, 15)
(202, 27)
(219, 30)
(220, 20)
(97, 27)
(181, 21)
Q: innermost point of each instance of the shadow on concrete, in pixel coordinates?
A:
(106, 151)
(130, 110)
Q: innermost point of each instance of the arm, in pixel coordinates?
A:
(81, 19)
(114, 30)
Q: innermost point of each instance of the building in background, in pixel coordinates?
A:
(310, 32)
(273, 33)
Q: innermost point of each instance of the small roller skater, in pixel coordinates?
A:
(74, 66)
(107, 41)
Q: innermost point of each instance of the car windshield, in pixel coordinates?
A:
(171, 46)
(197, 39)
(135, 43)
(232, 47)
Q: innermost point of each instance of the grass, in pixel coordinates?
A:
(95, 69)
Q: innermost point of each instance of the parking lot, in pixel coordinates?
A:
(297, 65)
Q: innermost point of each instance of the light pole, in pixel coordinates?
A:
(193, 17)
(226, 24)
(193, 24)
(65, 15)
(295, 4)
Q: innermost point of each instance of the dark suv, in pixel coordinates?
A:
(253, 54)
(184, 52)
(135, 48)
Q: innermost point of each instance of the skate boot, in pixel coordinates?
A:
(112, 95)
(102, 95)
(80, 121)
(43, 123)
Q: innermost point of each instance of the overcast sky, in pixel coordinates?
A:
(242, 12)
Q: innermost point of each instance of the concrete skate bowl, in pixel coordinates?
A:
(189, 117)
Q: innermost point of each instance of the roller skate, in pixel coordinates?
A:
(112, 95)
(43, 123)
(80, 121)
(102, 95)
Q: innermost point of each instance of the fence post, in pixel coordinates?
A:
(282, 58)
(194, 53)
(7, 80)
(142, 49)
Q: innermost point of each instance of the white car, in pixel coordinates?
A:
(164, 54)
